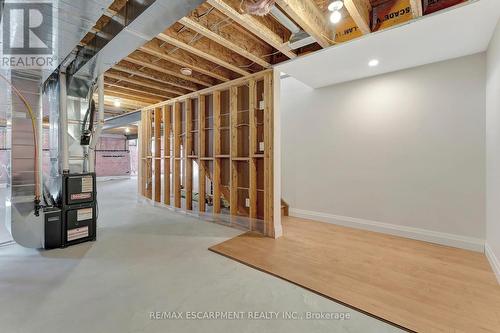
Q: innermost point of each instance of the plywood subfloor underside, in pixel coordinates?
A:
(416, 285)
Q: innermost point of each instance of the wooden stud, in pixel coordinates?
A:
(167, 128)
(416, 8)
(360, 12)
(233, 111)
(142, 154)
(188, 162)
(157, 153)
(197, 27)
(202, 175)
(202, 54)
(308, 16)
(217, 150)
(177, 155)
(149, 168)
(268, 156)
(252, 191)
(254, 26)
(233, 188)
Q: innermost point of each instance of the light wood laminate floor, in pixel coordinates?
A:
(416, 285)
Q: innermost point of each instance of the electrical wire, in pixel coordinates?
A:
(33, 124)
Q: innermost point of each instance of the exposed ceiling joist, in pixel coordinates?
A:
(123, 95)
(310, 18)
(202, 30)
(155, 51)
(134, 59)
(360, 12)
(128, 101)
(254, 26)
(165, 86)
(416, 7)
(191, 49)
(143, 83)
(137, 91)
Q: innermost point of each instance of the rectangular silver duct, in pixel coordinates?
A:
(155, 19)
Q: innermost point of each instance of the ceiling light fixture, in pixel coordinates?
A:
(373, 63)
(117, 103)
(186, 71)
(335, 17)
(335, 6)
(127, 130)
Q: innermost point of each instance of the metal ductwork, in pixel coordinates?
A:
(138, 23)
(299, 37)
(122, 120)
(63, 96)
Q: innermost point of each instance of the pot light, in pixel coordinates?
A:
(373, 63)
(117, 103)
(335, 17)
(127, 130)
(335, 6)
(186, 71)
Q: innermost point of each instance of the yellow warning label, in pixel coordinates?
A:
(346, 30)
(391, 13)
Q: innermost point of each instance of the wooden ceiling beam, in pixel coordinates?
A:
(254, 26)
(360, 12)
(310, 18)
(202, 54)
(140, 83)
(139, 92)
(202, 30)
(169, 79)
(125, 101)
(416, 8)
(154, 50)
(138, 73)
(134, 59)
(120, 94)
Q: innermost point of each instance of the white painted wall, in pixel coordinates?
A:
(402, 152)
(493, 152)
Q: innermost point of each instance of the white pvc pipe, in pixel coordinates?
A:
(100, 122)
(63, 117)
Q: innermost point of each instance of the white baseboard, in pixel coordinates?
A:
(493, 259)
(468, 243)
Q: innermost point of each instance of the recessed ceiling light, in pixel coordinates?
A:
(335, 5)
(335, 17)
(373, 63)
(117, 103)
(127, 130)
(186, 71)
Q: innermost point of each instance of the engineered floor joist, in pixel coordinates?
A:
(419, 286)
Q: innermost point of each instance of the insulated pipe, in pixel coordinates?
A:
(63, 114)
(100, 122)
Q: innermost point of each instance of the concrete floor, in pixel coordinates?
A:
(150, 259)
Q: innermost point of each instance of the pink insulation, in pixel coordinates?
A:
(112, 157)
